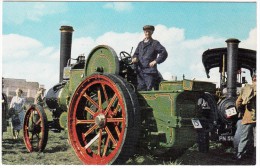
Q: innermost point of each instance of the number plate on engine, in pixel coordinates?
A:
(231, 111)
(196, 123)
(224, 138)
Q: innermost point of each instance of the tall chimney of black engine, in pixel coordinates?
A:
(232, 54)
(65, 47)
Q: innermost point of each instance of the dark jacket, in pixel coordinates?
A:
(148, 52)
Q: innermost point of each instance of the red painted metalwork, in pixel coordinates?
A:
(97, 120)
(35, 129)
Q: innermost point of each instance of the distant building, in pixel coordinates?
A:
(29, 88)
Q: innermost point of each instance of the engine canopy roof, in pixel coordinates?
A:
(212, 58)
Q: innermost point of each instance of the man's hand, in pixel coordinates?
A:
(152, 63)
(134, 60)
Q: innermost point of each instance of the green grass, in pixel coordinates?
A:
(59, 152)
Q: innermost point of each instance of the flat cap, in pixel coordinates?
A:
(148, 27)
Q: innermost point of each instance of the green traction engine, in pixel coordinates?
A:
(107, 119)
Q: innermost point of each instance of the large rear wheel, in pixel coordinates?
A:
(35, 129)
(101, 120)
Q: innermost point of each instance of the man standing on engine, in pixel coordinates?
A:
(148, 54)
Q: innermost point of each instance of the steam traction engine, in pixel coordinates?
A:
(107, 118)
(231, 61)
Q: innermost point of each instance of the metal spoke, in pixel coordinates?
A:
(90, 100)
(92, 141)
(116, 109)
(99, 142)
(84, 121)
(105, 92)
(99, 100)
(105, 147)
(110, 136)
(115, 119)
(38, 122)
(90, 111)
(90, 130)
(110, 103)
(37, 136)
(32, 117)
(117, 131)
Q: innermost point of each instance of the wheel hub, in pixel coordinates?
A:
(100, 120)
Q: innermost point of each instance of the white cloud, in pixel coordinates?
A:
(28, 58)
(82, 45)
(120, 42)
(119, 6)
(250, 42)
(18, 47)
(31, 11)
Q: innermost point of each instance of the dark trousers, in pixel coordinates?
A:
(146, 81)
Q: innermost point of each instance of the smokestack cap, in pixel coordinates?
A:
(232, 40)
(66, 29)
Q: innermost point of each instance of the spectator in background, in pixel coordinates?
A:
(247, 102)
(18, 106)
(39, 97)
(4, 110)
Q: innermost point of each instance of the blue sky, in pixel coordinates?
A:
(186, 29)
(96, 18)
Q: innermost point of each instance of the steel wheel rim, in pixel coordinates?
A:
(105, 118)
(34, 130)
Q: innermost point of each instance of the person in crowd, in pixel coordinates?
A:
(148, 54)
(247, 103)
(18, 106)
(4, 110)
(39, 97)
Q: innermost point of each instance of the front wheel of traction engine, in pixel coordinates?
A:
(101, 120)
(35, 129)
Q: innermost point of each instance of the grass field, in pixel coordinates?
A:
(59, 152)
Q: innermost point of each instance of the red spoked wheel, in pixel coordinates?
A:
(100, 120)
(35, 129)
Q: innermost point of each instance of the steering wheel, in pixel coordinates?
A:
(126, 58)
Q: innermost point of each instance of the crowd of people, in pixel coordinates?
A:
(17, 109)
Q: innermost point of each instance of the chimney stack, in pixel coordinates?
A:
(232, 54)
(65, 47)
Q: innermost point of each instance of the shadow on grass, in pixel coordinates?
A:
(144, 156)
